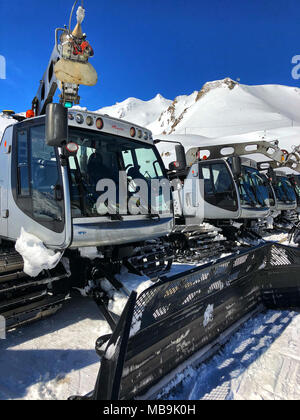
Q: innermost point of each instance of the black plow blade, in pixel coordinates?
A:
(193, 313)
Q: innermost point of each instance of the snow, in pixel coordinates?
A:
(110, 351)
(223, 111)
(35, 255)
(55, 358)
(137, 111)
(208, 315)
(261, 361)
(5, 122)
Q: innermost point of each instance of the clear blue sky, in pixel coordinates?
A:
(145, 47)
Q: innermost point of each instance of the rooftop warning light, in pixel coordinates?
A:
(68, 104)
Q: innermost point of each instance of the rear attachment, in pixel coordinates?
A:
(196, 311)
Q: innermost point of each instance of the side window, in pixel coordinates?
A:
(127, 158)
(219, 189)
(146, 160)
(23, 165)
(221, 178)
(208, 185)
(44, 177)
(38, 185)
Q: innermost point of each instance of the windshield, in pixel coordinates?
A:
(136, 181)
(252, 188)
(284, 190)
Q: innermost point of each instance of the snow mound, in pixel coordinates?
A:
(35, 255)
(5, 122)
(137, 111)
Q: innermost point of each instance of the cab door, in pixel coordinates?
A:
(4, 178)
(40, 188)
(220, 190)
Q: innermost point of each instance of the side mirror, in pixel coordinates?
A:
(180, 157)
(56, 125)
(174, 166)
(236, 166)
(271, 173)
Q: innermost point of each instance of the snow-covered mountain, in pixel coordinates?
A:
(137, 111)
(222, 111)
(221, 108)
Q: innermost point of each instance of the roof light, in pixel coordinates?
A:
(72, 147)
(99, 123)
(89, 120)
(68, 104)
(71, 116)
(140, 133)
(79, 118)
(132, 132)
(30, 113)
(146, 136)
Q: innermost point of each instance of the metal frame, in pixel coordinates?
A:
(269, 149)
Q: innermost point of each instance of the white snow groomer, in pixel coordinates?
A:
(282, 179)
(185, 318)
(233, 203)
(51, 163)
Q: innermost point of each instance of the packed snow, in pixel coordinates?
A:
(35, 255)
(260, 362)
(55, 358)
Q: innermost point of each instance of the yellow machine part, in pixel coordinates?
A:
(69, 71)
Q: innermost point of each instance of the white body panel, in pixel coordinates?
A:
(11, 225)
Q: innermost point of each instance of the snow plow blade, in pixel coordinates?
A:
(192, 313)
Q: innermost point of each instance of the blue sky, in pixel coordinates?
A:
(145, 47)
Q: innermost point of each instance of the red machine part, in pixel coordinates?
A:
(80, 49)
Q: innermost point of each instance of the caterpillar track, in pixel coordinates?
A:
(24, 299)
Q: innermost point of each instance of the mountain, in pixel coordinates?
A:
(222, 111)
(137, 111)
(221, 108)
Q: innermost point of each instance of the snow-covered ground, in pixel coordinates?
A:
(55, 358)
(261, 361)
